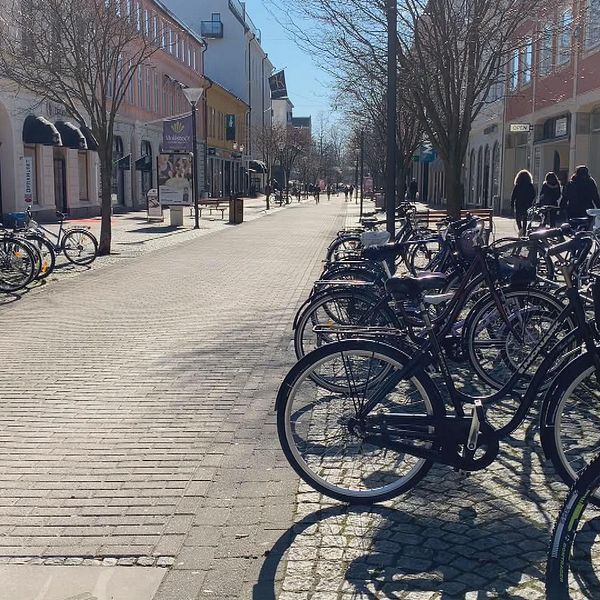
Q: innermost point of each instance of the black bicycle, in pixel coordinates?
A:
(565, 533)
(363, 421)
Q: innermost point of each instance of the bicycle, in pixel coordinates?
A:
(18, 263)
(78, 244)
(380, 422)
(565, 531)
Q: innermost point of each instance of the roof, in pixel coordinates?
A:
(179, 22)
(302, 122)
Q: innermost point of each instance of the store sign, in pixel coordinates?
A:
(28, 164)
(560, 127)
(520, 127)
(174, 179)
(178, 134)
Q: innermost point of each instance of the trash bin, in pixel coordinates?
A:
(236, 210)
(379, 201)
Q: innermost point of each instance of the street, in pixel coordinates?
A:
(137, 430)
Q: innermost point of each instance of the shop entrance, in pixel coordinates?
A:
(60, 184)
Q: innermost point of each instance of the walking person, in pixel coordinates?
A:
(346, 190)
(579, 194)
(413, 190)
(317, 192)
(550, 195)
(522, 198)
(328, 193)
(351, 191)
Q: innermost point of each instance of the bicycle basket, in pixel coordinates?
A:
(374, 238)
(469, 239)
(516, 270)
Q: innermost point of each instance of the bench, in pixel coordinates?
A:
(431, 217)
(210, 205)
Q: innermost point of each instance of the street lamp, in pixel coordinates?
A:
(193, 96)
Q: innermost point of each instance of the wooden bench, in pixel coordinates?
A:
(431, 217)
(218, 204)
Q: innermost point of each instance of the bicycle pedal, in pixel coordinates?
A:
(462, 473)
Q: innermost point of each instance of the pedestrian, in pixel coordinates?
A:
(268, 191)
(580, 194)
(346, 190)
(413, 190)
(351, 191)
(550, 195)
(317, 192)
(328, 192)
(522, 198)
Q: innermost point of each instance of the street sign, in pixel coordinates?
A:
(28, 161)
(520, 127)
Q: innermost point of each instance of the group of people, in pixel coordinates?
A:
(579, 194)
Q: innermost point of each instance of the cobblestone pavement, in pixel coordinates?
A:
(483, 536)
(136, 414)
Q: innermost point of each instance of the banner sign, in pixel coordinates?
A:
(230, 128)
(178, 134)
(28, 179)
(174, 179)
(278, 86)
(368, 184)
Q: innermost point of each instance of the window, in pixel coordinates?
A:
(148, 89)
(109, 87)
(514, 69)
(156, 93)
(82, 158)
(194, 59)
(138, 17)
(527, 61)
(545, 56)
(130, 89)
(139, 86)
(164, 36)
(177, 53)
(565, 27)
(215, 17)
(129, 9)
(147, 23)
(592, 37)
(170, 40)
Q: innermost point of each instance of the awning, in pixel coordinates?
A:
(92, 143)
(258, 166)
(71, 136)
(38, 130)
(144, 163)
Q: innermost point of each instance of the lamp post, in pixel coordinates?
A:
(391, 9)
(193, 96)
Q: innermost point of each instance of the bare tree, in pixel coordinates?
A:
(292, 143)
(266, 140)
(83, 55)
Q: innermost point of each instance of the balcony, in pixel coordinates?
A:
(211, 29)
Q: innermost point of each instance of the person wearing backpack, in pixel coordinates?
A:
(550, 195)
(522, 198)
(580, 193)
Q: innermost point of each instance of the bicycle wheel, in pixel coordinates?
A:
(47, 253)
(496, 349)
(80, 246)
(37, 257)
(339, 307)
(332, 445)
(343, 245)
(17, 264)
(564, 535)
(421, 257)
(570, 421)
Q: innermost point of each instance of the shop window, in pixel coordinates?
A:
(139, 86)
(565, 31)
(30, 174)
(83, 176)
(595, 119)
(546, 48)
(527, 61)
(592, 37)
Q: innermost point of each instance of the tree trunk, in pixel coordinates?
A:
(454, 187)
(401, 182)
(106, 203)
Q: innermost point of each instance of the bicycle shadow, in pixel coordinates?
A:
(454, 548)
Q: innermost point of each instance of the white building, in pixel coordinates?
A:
(282, 112)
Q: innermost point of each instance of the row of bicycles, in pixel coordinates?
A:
(28, 251)
(434, 347)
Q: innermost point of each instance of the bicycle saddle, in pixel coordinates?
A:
(379, 253)
(580, 222)
(413, 287)
(544, 234)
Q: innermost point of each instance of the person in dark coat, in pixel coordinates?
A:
(413, 190)
(522, 198)
(580, 194)
(550, 195)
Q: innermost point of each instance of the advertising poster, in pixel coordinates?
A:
(178, 134)
(368, 184)
(174, 179)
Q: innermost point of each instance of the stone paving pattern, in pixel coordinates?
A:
(137, 424)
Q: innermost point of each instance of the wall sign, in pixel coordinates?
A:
(28, 164)
(520, 127)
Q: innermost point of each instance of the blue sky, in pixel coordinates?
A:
(307, 84)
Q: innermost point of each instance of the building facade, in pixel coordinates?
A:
(234, 59)
(51, 163)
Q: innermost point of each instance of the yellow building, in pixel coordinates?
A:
(227, 159)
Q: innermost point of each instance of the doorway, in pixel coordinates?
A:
(60, 185)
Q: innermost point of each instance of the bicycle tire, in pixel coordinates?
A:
(484, 319)
(47, 252)
(565, 530)
(344, 306)
(16, 257)
(570, 426)
(348, 243)
(369, 481)
(72, 247)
